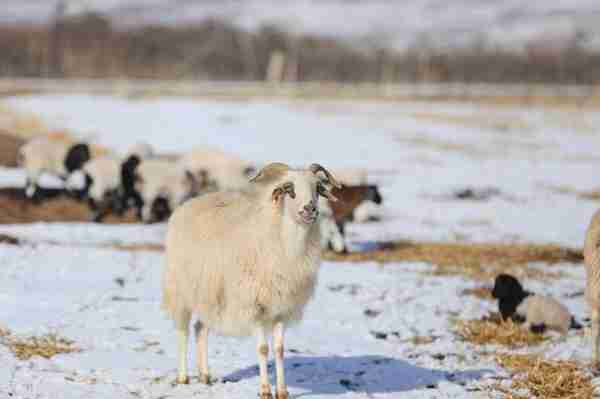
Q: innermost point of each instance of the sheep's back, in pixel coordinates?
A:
(45, 154)
(541, 309)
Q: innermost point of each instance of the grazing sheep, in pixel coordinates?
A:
(102, 182)
(56, 157)
(229, 172)
(350, 198)
(245, 262)
(162, 186)
(591, 255)
(538, 312)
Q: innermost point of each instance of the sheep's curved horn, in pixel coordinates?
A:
(316, 168)
(322, 191)
(285, 188)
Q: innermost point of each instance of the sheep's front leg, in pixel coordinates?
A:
(596, 336)
(278, 332)
(202, 351)
(262, 347)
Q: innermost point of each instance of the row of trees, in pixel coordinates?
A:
(89, 47)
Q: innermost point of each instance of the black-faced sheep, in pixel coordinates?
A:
(101, 180)
(537, 312)
(245, 263)
(55, 157)
(162, 186)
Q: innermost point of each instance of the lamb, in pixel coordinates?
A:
(538, 312)
(591, 256)
(245, 262)
(229, 172)
(56, 157)
(162, 185)
(351, 197)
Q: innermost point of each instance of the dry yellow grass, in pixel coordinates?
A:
(481, 261)
(481, 120)
(546, 379)
(484, 293)
(496, 332)
(438, 144)
(45, 346)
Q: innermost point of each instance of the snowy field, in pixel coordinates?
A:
(107, 301)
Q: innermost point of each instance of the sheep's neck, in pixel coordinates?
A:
(294, 237)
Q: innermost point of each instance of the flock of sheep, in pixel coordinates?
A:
(154, 185)
(243, 245)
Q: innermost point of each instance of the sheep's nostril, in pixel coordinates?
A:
(309, 208)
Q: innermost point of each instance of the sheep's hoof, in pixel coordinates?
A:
(183, 380)
(205, 379)
(281, 395)
(265, 392)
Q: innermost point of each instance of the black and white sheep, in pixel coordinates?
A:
(55, 157)
(162, 186)
(226, 171)
(537, 312)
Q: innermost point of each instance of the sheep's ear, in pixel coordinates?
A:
(270, 173)
(282, 189)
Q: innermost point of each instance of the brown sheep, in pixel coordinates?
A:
(350, 197)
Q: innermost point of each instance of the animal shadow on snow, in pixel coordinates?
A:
(335, 375)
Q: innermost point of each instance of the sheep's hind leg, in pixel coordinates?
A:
(202, 352)
(278, 332)
(262, 347)
(182, 326)
(596, 336)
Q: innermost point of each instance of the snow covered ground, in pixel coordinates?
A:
(107, 301)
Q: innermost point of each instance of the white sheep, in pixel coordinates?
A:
(162, 186)
(591, 255)
(230, 173)
(56, 157)
(245, 262)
